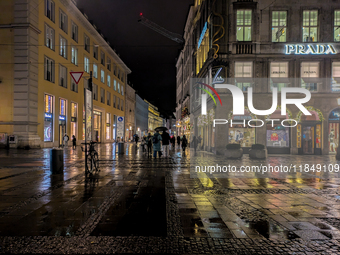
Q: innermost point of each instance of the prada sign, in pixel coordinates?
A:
(312, 49)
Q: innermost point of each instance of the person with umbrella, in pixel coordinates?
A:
(156, 141)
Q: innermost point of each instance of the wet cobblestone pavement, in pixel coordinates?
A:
(137, 204)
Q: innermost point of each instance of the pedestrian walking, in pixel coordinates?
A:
(173, 142)
(178, 140)
(156, 142)
(74, 142)
(149, 144)
(165, 143)
(136, 139)
(184, 143)
(66, 139)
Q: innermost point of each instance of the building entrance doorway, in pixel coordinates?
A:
(308, 140)
(97, 126)
(62, 132)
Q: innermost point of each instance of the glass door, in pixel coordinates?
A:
(308, 140)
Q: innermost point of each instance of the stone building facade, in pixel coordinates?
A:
(266, 45)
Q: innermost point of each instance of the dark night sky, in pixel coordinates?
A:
(150, 56)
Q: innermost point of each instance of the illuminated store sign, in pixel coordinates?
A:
(48, 115)
(310, 49)
(62, 117)
(202, 34)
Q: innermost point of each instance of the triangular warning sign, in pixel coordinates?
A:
(76, 76)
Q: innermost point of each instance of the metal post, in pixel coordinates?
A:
(89, 87)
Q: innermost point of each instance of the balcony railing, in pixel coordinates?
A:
(245, 48)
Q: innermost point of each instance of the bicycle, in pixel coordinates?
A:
(92, 162)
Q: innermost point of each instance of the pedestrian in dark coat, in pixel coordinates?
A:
(184, 143)
(178, 140)
(74, 142)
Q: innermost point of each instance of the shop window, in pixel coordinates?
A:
(62, 76)
(49, 37)
(278, 75)
(337, 26)
(62, 107)
(277, 135)
(48, 120)
(240, 133)
(310, 75)
(74, 28)
(49, 69)
(50, 9)
(63, 21)
(310, 26)
(74, 57)
(243, 25)
(243, 74)
(108, 125)
(74, 109)
(279, 26)
(336, 76)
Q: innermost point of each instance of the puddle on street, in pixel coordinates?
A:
(269, 229)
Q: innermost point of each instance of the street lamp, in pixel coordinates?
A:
(338, 149)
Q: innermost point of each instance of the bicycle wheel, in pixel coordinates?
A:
(89, 164)
(95, 161)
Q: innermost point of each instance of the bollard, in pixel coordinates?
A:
(57, 161)
(120, 148)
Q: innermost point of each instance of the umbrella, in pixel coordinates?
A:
(161, 129)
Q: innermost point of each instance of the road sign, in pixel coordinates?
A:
(76, 76)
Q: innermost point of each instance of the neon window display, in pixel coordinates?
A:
(277, 136)
(333, 137)
(48, 119)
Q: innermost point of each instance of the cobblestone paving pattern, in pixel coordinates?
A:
(45, 213)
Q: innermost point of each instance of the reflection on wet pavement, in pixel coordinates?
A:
(138, 196)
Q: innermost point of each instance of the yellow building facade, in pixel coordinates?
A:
(154, 119)
(42, 101)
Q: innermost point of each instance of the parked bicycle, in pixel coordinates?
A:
(92, 162)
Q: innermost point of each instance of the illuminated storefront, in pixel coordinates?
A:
(278, 136)
(48, 120)
(62, 119)
(309, 130)
(74, 110)
(108, 126)
(245, 136)
(333, 130)
(97, 125)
